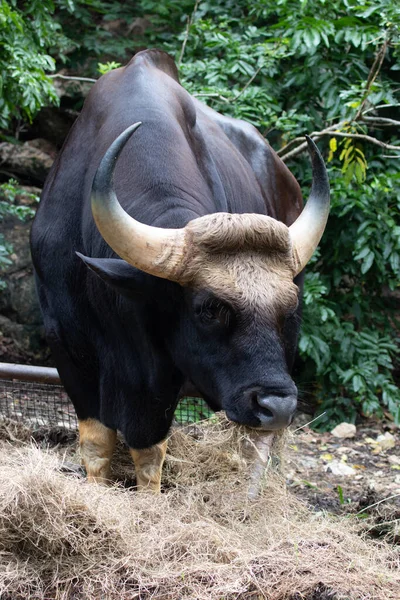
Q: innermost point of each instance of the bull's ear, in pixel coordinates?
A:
(116, 272)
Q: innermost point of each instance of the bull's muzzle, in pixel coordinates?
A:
(275, 412)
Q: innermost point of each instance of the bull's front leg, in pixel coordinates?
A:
(148, 466)
(97, 443)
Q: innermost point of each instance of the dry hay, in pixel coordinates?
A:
(62, 538)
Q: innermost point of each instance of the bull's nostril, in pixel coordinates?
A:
(275, 411)
(265, 411)
(254, 398)
(258, 404)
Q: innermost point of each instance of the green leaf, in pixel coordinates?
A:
(367, 264)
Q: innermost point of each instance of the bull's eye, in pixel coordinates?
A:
(285, 314)
(214, 311)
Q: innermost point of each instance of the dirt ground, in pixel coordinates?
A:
(348, 476)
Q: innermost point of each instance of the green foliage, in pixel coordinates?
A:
(311, 59)
(9, 193)
(349, 327)
(354, 162)
(26, 36)
(85, 24)
(37, 34)
(340, 494)
(104, 68)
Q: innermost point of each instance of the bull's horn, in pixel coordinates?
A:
(154, 250)
(308, 228)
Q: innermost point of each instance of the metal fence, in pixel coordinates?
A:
(35, 397)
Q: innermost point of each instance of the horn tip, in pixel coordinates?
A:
(313, 148)
(310, 142)
(131, 129)
(126, 134)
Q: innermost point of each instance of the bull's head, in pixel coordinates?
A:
(236, 271)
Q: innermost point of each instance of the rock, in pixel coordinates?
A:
(21, 325)
(138, 26)
(117, 26)
(44, 146)
(344, 430)
(300, 420)
(308, 462)
(121, 28)
(386, 441)
(339, 468)
(18, 300)
(16, 233)
(53, 123)
(394, 460)
(21, 343)
(28, 160)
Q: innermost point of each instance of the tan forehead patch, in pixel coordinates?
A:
(246, 259)
(250, 281)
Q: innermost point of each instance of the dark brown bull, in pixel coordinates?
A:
(210, 227)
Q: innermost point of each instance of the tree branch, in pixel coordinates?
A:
(394, 104)
(298, 150)
(373, 74)
(361, 136)
(72, 78)
(380, 121)
(250, 81)
(316, 135)
(211, 95)
(283, 151)
(286, 152)
(187, 32)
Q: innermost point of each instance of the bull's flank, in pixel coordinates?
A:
(62, 538)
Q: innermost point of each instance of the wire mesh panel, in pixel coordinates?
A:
(46, 404)
(36, 404)
(192, 410)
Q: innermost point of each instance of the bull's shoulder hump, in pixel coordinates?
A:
(144, 64)
(154, 58)
(243, 135)
(281, 190)
(149, 83)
